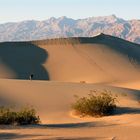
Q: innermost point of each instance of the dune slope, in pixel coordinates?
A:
(101, 59)
(52, 101)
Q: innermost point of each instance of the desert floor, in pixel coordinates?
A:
(53, 100)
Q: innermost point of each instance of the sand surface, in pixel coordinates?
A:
(102, 59)
(63, 68)
(53, 100)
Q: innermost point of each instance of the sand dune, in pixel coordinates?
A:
(63, 68)
(101, 59)
(53, 100)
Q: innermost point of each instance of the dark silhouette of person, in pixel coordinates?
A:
(31, 77)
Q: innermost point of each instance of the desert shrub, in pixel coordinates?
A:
(95, 104)
(7, 116)
(27, 116)
(24, 116)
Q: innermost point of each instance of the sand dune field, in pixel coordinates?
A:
(63, 68)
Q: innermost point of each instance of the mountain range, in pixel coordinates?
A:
(68, 27)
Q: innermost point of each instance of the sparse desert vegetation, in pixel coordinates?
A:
(25, 116)
(95, 104)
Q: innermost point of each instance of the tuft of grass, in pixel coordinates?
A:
(25, 116)
(95, 104)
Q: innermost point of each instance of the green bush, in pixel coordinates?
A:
(95, 104)
(25, 116)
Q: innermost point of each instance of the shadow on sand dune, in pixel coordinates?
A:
(10, 136)
(24, 58)
(41, 137)
(67, 125)
(74, 138)
(126, 110)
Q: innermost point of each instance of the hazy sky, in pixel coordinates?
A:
(18, 10)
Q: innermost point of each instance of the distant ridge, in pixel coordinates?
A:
(67, 27)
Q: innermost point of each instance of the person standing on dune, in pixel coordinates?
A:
(31, 77)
